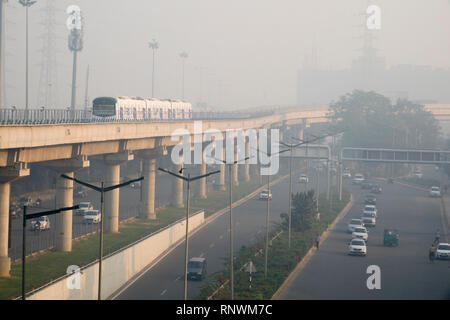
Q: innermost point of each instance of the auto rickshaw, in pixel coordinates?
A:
(390, 237)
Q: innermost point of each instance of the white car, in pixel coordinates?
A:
(41, 223)
(369, 219)
(354, 223)
(303, 178)
(265, 194)
(91, 216)
(370, 208)
(435, 191)
(358, 178)
(357, 247)
(360, 233)
(418, 174)
(346, 175)
(443, 251)
(83, 207)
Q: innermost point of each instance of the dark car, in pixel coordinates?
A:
(366, 185)
(376, 188)
(390, 237)
(196, 268)
(370, 199)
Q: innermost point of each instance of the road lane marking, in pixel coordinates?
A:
(164, 292)
(221, 236)
(259, 231)
(212, 245)
(177, 278)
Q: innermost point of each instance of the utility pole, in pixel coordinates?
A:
(188, 179)
(154, 45)
(26, 4)
(2, 37)
(86, 93)
(183, 57)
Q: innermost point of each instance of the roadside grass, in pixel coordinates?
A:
(43, 268)
(281, 259)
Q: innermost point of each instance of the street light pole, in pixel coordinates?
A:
(183, 57)
(26, 4)
(154, 45)
(188, 179)
(26, 217)
(2, 31)
(102, 191)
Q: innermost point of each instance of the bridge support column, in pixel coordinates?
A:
(177, 187)
(147, 209)
(202, 182)
(247, 162)
(7, 175)
(64, 198)
(221, 184)
(112, 177)
(236, 167)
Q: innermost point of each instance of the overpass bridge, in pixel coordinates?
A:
(65, 147)
(68, 147)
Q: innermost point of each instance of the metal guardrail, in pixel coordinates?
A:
(61, 116)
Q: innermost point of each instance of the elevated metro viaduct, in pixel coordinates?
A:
(66, 148)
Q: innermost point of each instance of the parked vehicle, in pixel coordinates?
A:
(353, 224)
(370, 209)
(390, 237)
(135, 185)
(41, 223)
(369, 219)
(303, 178)
(15, 211)
(358, 178)
(357, 247)
(418, 174)
(91, 216)
(360, 233)
(443, 251)
(346, 174)
(435, 192)
(38, 202)
(83, 207)
(265, 194)
(196, 268)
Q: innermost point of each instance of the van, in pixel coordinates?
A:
(196, 268)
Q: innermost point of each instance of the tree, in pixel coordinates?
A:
(303, 211)
(370, 120)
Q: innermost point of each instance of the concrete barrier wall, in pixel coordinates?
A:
(119, 267)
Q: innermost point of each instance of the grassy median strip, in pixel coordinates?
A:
(43, 268)
(281, 260)
(421, 182)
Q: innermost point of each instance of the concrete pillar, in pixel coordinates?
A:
(202, 182)
(300, 133)
(7, 175)
(177, 188)
(147, 209)
(247, 162)
(221, 183)
(112, 177)
(64, 198)
(148, 190)
(5, 262)
(235, 167)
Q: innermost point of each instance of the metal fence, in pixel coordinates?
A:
(54, 116)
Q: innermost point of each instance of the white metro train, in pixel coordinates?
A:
(136, 108)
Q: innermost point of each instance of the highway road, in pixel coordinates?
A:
(406, 272)
(130, 199)
(166, 279)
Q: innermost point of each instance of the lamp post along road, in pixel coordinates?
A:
(154, 45)
(183, 57)
(26, 217)
(26, 4)
(102, 191)
(188, 179)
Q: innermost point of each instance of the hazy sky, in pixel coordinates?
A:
(244, 52)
